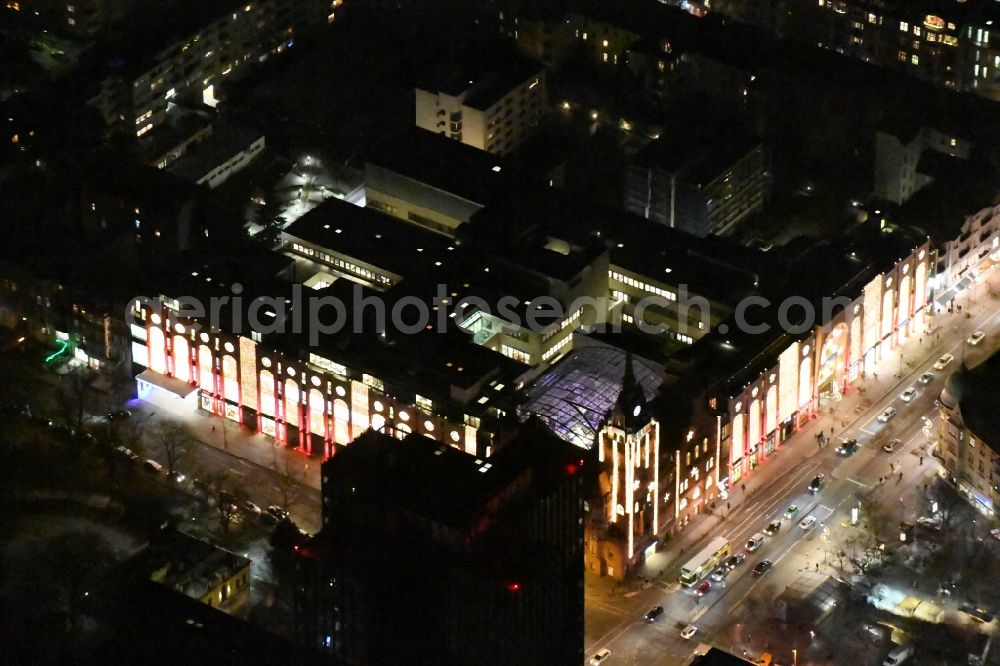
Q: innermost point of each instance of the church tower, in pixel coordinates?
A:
(628, 449)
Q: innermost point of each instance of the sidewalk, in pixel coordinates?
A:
(227, 436)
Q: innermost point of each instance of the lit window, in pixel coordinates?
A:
(904, 26)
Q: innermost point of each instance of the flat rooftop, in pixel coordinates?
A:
(443, 164)
(408, 474)
(700, 153)
(225, 142)
(375, 238)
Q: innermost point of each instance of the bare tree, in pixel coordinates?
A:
(175, 441)
(76, 387)
(287, 484)
(228, 496)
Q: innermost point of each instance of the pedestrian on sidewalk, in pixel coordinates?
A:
(900, 476)
(921, 460)
(213, 428)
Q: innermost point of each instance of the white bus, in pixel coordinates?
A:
(707, 559)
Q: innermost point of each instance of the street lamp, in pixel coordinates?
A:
(795, 657)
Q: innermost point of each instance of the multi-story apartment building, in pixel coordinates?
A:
(969, 433)
(88, 18)
(194, 568)
(976, 250)
(194, 47)
(700, 182)
(901, 167)
(952, 43)
(492, 110)
(462, 560)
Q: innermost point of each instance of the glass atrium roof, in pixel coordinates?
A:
(575, 396)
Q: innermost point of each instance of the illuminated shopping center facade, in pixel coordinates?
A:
(310, 402)
(795, 379)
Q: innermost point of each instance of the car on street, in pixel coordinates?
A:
(772, 528)
(930, 522)
(654, 612)
(791, 511)
(927, 378)
(276, 511)
(816, 483)
(252, 508)
(703, 588)
(887, 414)
(600, 656)
(977, 613)
(762, 567)
(976, 337)
(755, 542)
(120, 414)
(848, 447)
(807, 522)
(943, 362)
(689, 631)
(177, 477)
(735, 560)
(908, 395)
(720, 574)
(126, 453)
(891, 445)
(153, 467)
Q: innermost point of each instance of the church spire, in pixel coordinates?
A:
(631, 403)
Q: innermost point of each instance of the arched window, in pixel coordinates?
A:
(291, 402)
(341, 422)
(267, 393)
(206, 373)
(182, 358)
(157, 350)
(317, 412)
(230, 379)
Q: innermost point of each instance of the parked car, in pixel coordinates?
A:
(120, 414)
(887, 414)
(908, 394)
(848, 447)
(755, 542)
(943, 362)
(689, 631)
(152, 467)
(720, 574)
(891, 445)
(807, 522)
(977, 613)
(762, 567)
(898, 655)
(654, 612)
(976, 337)
(816, 484)
(177, 477)
(126, 453)
(930, 522)
(772, 528)
(276, 511)
(926, 378)
(791, 511)
(736, 559)
(703, 588)
(600, 656)
(252, 508)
